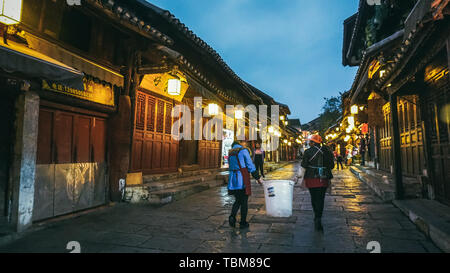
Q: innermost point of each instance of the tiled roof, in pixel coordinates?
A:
(203, 46)
(127, 15)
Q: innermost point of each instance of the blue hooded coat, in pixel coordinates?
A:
(235, 180)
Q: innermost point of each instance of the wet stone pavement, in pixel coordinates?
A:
(353, 217)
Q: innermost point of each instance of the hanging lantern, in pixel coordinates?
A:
(239, 114)
(354, 109)
(213, 109)
(10, 11)
(174, 87)
(351, 121)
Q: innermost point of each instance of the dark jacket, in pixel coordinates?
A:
(326, 156)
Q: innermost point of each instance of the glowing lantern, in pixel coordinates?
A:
(213, 109)
(10, 11)
(239, 114)
(174, 87)
(351, 121)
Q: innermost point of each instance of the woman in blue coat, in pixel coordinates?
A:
(240, 167)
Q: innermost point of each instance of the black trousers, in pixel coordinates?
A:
(318, 200)
(259, 164)
(241, 202)
(339, 162)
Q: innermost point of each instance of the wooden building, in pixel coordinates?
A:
(402, 82)
(86, 102)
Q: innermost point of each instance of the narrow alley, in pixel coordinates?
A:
(353, 217)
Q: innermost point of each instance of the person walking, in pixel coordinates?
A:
(239, 185)
(318, 162)
(339, 161)
(362, 149)
(258, 157)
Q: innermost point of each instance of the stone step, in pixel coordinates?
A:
(383, 185)
(177, 175)
(165, 191)
(177, 193)
(171, 183)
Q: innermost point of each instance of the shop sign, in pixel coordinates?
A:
(95, 92)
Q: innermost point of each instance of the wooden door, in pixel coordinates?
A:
(438, 132)
(71, 162)
(154, 150)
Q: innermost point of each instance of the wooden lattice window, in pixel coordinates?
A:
(168, 128)
(160, 117)
(140, 114)
(151, 114)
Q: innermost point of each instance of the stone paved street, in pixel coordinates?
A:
(353, 217)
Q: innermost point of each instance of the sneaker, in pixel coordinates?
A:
(244, 225)
(232, 221)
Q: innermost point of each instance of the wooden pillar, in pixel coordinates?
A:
(396, 150)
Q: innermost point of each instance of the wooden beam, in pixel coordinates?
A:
(396, 151)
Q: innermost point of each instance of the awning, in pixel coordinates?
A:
(18, 58)
(77, 62)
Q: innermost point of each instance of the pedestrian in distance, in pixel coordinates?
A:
(362, 149)
(318, 162)
(239, 184)
(258, 158)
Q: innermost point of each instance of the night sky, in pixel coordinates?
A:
(290, 49)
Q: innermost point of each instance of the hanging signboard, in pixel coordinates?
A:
(95, 92)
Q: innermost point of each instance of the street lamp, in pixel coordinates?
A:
(213, 109)
(10, 11)
(174, 87)
(351, 121)
(238, 114)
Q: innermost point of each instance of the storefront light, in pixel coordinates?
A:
(173, 86)
(289, 143)
(285, 141)
(347, 138)
(354, 109)
(361, 108)
(270, 129)
(213, 109)
(337, 129)
(239, 114)
(351, 121)
(10, 11)
(281, 117)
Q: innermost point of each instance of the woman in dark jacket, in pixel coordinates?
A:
(318, 162)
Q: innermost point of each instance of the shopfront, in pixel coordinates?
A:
(72, 150)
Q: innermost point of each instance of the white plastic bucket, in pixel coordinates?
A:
(279, 195)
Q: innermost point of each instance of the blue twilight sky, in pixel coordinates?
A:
(290, 49)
